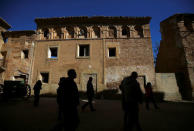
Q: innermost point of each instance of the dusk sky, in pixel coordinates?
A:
(20, 14)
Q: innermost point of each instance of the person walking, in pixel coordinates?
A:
(149, 96)
(68, 100)
(131, 97)
(37, 88)
(60, 97)
(90, 95)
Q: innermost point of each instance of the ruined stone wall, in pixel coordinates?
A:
(170, 57)
(15, 63)
(176, 51)
(1, 39)
(186, 34)
(2, 57)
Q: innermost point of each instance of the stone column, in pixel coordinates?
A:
(104, 31)
(146, 30)
(119, 30)
(40, 34)
(89, 32)
(76, 32)
(51, 33)
(63, 33)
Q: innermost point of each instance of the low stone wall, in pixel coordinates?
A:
(166, 84)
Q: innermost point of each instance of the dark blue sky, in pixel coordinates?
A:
(20, 14)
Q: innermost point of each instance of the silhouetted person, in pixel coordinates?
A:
(60, 97)
(37, 88)
(68, 101)
(90, 95)
(149, 96)
(131, 96)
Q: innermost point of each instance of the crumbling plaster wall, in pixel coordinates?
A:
(133, 55)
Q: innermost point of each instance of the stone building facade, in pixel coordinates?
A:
(19, 50)
(106, 48)
(176, 52)
(4, 26)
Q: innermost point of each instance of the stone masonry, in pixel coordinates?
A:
(176, 53)
(4, 26)
(106, 48)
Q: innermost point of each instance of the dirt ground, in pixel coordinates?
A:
(20, 115)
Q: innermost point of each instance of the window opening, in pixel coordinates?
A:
(139, 29)
(70, 31)
(45, 77)
(112, 52)
(124, 31)
(46, 33)
(52, 52)
(96, 31)
(24, 54)
(83, 32)
(84, 50)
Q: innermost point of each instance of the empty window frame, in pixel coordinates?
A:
(24, 54)
(83, 51)
(44, 77)
(46, 33)
(82, 32)
(96, 32)
(139, 30)
(112, 52)
(125, 31)
(58, 33)
(70, 32)
(53, 52)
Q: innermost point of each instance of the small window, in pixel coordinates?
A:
(45, 77)
(53, 52)
(96, 32)
(70, 32)
(46, 33)
(124, 32)
(82, 33)
(24, 54)
(112, 52)
(83, 51)
(139, 30)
